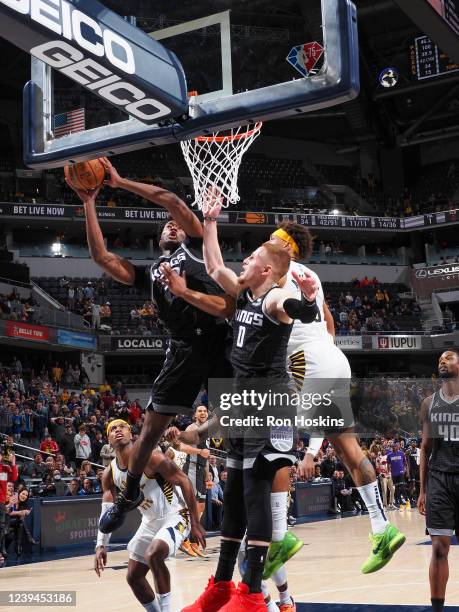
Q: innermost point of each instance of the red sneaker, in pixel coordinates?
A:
(244, 601)
(216, 595)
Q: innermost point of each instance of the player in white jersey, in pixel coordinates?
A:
(318, 366)
(169, 514)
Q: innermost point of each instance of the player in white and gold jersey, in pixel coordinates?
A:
(318, 366)
(169, 514)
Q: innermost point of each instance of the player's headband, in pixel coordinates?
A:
(282, 234)
(116, 422)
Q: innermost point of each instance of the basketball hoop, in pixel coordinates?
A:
(214, 163)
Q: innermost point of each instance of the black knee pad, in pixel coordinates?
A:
(257, 493)
(234, 517)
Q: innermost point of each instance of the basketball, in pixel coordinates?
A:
(85, 175)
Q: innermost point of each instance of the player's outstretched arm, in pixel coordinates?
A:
(426, 450)
(118, 268)
(108, 492)
(216, 305)
(215, 266)
(170, 472)
(176, 207)
(285, 306)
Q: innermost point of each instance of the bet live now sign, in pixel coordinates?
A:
(397, 343)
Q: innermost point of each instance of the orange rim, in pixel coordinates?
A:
(228, 138)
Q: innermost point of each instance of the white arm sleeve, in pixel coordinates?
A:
(103, 538)
(314, 446)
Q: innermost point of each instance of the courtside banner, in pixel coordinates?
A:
(425, 280)
(151, 344)
(396, 343)
(349, 343)
(53, 211)
(37, 333)
(76, 339)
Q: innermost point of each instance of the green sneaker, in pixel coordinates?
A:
(280, 552)
(384, 546)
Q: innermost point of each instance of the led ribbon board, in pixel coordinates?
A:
(99, 50)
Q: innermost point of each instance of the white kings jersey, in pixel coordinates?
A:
(161, 497)
(305, 333)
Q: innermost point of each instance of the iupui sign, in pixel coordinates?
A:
(397, 343)
(102, 52)
(425, 280)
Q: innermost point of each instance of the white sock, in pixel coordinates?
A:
(373, 502)
(284, 597)
(279, 513)
(280, 577)
(241, 556)
(152, 606)
(165, 601)
(264, 589)
(272, 606)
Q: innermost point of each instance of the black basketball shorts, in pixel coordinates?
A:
(442, 504)
(187, 367)
(197, 474)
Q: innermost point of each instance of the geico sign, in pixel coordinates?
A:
(62, 18)
(139, 343)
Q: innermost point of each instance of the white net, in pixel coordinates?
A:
(214, 163)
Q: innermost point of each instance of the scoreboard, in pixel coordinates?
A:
(427, 60)
(449, 10)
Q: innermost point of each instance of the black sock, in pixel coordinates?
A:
(227, 560)
(132, 488)
(256, 557)
(438, 605)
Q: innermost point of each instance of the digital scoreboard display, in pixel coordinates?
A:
(449, 10)
(427, 60)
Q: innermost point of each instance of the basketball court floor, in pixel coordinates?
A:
(323, 577)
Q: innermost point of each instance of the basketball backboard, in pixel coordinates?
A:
(238, 66)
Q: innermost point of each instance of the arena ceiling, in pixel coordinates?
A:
(412, 111)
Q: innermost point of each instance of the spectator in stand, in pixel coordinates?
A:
(17, 424)
(87, 488)
(385, 479)
(398, 467)
(105, 314)
(6, 418)
(87, 467)
(330, 464)
(9, 473)
(82, 446)
(107, 454)
(48, 445)
(105, 388)
(57, 375)
(96, 314)
(73, 488)
(28, 427)
(97, 443)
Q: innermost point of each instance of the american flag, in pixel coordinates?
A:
(69, 122)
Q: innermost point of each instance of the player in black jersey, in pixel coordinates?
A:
(439, 472)
(195, 338)
(262, 325)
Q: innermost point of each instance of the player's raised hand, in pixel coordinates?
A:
(87, 197)
(307, 284)
(176, 283)
(100, 560)
(213, 202)
(172, 435)
(306, 467)
(114, 178)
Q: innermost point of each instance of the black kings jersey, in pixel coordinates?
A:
(259, 341)
(444, 429)
(180, 318)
